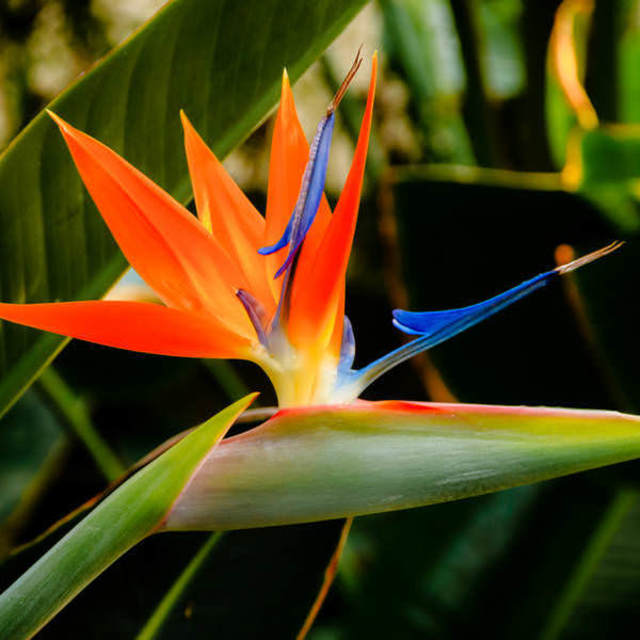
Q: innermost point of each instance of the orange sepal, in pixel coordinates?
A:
(289, 156)
(226, 212)
(164, 243)
(136, 326)
(314, 314)
(335, 343)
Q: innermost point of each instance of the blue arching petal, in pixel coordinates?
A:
(434, 327)
(306, 208)
(309, 198)
(445, 324)
(311, 191)
(312, 186)
(283, 242)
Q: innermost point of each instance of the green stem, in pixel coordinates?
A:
(227, 377)
(479, 113)
(600, 541)
(171, 598)
(75, 413)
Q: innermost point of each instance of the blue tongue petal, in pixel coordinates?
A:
(309, 197)
(446, 324)
(434, 327)
(282, 243)
(313, 179)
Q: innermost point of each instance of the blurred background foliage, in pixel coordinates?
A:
(507, 137)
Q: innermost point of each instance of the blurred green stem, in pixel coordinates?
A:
(602, 59)
(166, 605)
(537, 21)
(478, 112)
(75, 414)
(578, 581)
(227, 377)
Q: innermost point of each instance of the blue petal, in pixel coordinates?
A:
(310, 194)
(283, 242)
(434, 327)
(445, 324)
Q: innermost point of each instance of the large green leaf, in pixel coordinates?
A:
(127, 516)
(330, 462)
(219, 60)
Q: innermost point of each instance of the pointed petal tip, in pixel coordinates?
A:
(249, 398)
(590, 257)
(186, 123)
(64, 126)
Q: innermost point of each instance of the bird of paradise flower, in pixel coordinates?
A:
(236, 284)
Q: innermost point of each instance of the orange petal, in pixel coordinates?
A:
(137, 326)
(336, 337)
(227, 213)
(164, 243)
(289, 155)
(318, 285)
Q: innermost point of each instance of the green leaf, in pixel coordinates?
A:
(128, 515)
(320, 463)
(628, 58)
(609, 155)
(220, 62)
(607, 576)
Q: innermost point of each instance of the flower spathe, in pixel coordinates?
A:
(215, 274)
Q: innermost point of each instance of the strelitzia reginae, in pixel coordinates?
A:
(271, 290)
(238, 285)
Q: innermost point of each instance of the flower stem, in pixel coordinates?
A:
(178, 588)
(75, 413)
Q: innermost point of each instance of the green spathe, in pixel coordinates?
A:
(330, 462)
